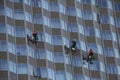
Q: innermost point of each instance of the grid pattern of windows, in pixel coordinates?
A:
(93, 24)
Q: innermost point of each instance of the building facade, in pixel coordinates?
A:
(95, 24)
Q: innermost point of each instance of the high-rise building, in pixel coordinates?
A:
(93, 24)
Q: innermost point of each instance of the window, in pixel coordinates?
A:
(12, 66)
(45, 4)
(106, 35)
(49, 55)
(111, 69)
(95, 65)
(69, 76)
(81, 29)
(110, 6)
(87, 14)
(66, 41)
(68, 59)
(57, 40)
(102, 67)
(3, 45)
(71, 11)
(58, 57)
(46, 21)
(20, 32)
(17, 0)
(73, 27)
(30, 51)
(89, 31)
(37, 18)
(78, 77)
(86, 1)
(31, 69)
(109, 51)
(76, 61)
(93, 2)
(93, 47)
(43, 72)
(117, 55)
(102, 3)
(28, 16)
(63, 25)
(54, 6)
(48, 38)
(22, 68)
(117, 22)
(62, 8)
(21, 50)
(117, 6)
(83, 45)
(9, 12)
(2, 28)
(41, 54)
(36, 3)
(94, 15)
(11, 48)
(27, 2)
(3, 64)
(97, 32)
(79, 12)
(60, 75)
(78, 0)
(100, 49)
(10, 30)
(51, 74)
(41, 36)
(104, 19)
(96, 79)
(55, 23)
(2, 10)
(112, 20)
(87, 77)
(19, 14)
(114, 37)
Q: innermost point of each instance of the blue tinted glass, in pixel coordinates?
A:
(111, 69)
(21, 50)
(55, 23)
(41, 54)
(3, 46)
(104, 19)
(58, 57)
(22, 68)
(37, 19)
(12, 66)
(11, 48)
(57, 40)
(2, 10)
(43, 72)
(54, 6)
(86, 1)
(3, 64)
(2, 28)
(20, 32)
(109, 51)
(71, 11)
(18, 14)
(117, 6)
(60, 75)
(90, 31)
(87, 14)
(102, 3)
(73, 27)
(36, 3)
(106, 34)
